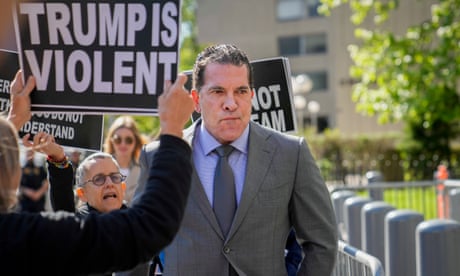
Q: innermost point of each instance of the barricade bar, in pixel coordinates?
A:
(352, 261)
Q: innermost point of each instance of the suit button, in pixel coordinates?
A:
(226, 250)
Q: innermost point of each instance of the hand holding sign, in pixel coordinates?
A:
(19, 112)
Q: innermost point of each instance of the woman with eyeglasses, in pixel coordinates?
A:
(124, 142)
(100, 184)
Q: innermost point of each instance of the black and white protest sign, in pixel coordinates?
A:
(272, 104)
(98, 56)
(69, 129)
(8, 70)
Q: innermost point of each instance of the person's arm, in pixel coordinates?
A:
(146, 155)
(62, 244)
(60, 170)
(120, 239)
(62, 196)
(143, 175)
(313, 216)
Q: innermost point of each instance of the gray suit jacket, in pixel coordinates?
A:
(283, 188)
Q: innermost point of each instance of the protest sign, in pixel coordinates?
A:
(69, 129)
(98, 57)
(7, 72)
(272, 104)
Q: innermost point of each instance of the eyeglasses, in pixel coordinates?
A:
(99, 179)
(117, 140)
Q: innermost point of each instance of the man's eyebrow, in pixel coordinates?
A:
(216, 87)
(244, 87)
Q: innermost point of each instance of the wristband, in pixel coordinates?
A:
(63, 164)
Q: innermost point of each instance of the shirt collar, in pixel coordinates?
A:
(209, 143)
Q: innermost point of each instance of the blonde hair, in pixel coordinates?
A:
(10, 167)
(128, 123)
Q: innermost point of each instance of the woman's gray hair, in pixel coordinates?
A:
(82, 170)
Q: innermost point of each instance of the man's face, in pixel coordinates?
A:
(225, 101)
(107, 197)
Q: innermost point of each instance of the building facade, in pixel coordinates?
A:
(316, 47)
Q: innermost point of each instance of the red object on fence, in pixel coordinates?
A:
(442, 201)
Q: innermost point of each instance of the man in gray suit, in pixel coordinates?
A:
(277, 184)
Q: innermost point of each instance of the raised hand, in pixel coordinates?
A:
(19, 112)
(175, 106)
(46, 144)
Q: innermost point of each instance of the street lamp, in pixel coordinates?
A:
(313, 108)
(299, 104)
(301, 85)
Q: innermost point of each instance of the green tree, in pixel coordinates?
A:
(189, 47)
(413, 78)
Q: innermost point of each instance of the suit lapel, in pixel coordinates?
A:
(260, 155)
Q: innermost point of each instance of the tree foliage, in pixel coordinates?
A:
(190, 46)
(413, 77)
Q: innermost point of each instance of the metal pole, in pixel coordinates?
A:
(438, 248)
(400, 228)
(373, 234)
(352, 219)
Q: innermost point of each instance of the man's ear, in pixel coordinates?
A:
(196, 100)
(123, 186)
(81, 194)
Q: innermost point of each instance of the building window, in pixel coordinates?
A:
(302, 45)
(322, 123)
(319, 81)
(297, 9)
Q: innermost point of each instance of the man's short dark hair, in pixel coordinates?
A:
(222, 54)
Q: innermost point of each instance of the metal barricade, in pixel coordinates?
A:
(354, 262)
(451, 198)
(418, 195)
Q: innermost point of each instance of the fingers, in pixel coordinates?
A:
(181, 79)
(17, 83)
(42, 142)
(175, 106)
(26, 142)
(19, 112)
(30, 84)
(167, 86)
(19, 88)
(180, 82)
